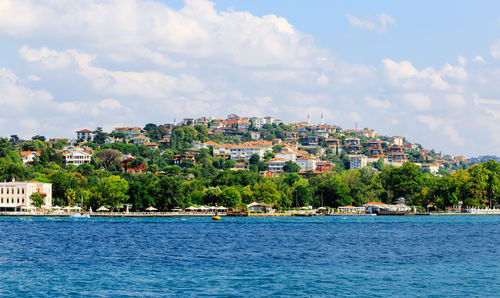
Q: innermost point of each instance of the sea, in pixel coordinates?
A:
(375, 256)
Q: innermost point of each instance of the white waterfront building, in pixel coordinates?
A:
(16, 195)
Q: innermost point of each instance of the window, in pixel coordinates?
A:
(23, 191)
(23, 201)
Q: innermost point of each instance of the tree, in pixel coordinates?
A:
(99, 136)
(254, 159)
(38, 137)
(36, 199)
(113, 191)
(291, 167)
(266, 192)
(14, 139)
(405, 181)
(230, 197)
(334, 192)
(301, 193)
(170, 193)
(212, 195)
(109, 157)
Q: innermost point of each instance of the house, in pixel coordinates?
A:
(150, 145)
(396, 154)
(255, 135)
(243, 125)
(376, 151)
(334, 144)
(259, 207)
(130, 166)
(179, 158)
(310, 141)
(85, 134)
(130, 132)
(30, 156)
(324, 166)
(307, 162)
(76, 157)
(357, 161)
(276, 165)
(433, 168)
(17, 195)
(287, 154)
(139, 140)
(396, 140)
(240, 166)
(290, 136)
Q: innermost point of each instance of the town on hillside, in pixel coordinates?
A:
(262, 144)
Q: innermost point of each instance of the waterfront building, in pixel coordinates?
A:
(259, 207)
(16, 195)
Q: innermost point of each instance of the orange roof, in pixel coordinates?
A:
(375, 203)
(84, 130)
(348, 206)
(26, 153)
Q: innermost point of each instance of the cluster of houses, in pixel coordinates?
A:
(302, 143)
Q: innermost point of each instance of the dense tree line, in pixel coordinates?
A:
(211, 181)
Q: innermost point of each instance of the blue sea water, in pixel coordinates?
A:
(318, 256)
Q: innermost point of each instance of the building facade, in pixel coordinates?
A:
(16, 195)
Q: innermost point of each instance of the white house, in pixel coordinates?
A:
(357, 161)
(140, 140)
(30, 156)
(85, 134)
(76, 157)
(245, 152)
(16, 195)
(276, 165)
(307, 163)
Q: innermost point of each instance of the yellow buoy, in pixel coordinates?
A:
(216, 217)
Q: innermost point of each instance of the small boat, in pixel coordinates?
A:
(79, 215)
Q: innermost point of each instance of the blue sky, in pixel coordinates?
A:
(427, 70)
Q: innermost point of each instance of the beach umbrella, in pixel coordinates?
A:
(102, 208)
(191, 208)
(151, 208)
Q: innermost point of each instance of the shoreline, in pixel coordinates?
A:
(129, 215)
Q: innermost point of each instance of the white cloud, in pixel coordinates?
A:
(149, 84)
(127, 30)
(495, 50)
(478, 59)
(405, 75)
(33, 78)
(376, 103)
(419, 101)
(381, 23)
(455, 100)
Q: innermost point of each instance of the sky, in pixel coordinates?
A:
(427, 70)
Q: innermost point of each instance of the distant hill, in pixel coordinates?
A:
(485, 158)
